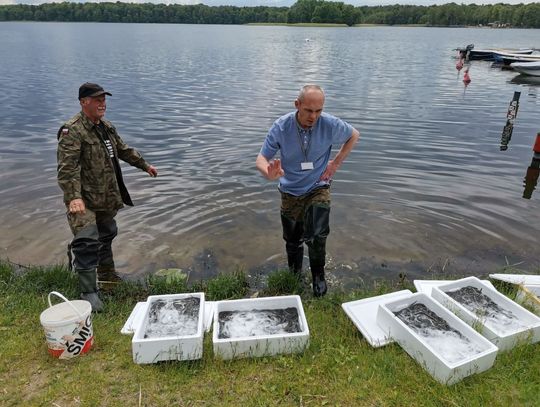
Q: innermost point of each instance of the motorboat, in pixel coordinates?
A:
(507, 58)
(527, 68)
(489, 54)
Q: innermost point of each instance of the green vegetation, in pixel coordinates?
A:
(284, 282)
(339, 368)
(303, 11)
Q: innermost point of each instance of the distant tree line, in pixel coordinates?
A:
(303, 11)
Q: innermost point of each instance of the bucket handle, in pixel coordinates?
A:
(66, 300)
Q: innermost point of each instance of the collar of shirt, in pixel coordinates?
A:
(299, 127)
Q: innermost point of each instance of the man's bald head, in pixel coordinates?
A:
(309, 105)
(310, 90)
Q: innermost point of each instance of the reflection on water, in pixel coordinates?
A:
(522, 79)
(425, 186)
(531, 177)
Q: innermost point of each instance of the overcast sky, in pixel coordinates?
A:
(287, 2)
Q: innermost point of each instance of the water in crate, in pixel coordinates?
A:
(238, 324)
(446, 341)
(499, 319)
(173, 317)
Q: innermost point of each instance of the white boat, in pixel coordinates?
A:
(527, 68)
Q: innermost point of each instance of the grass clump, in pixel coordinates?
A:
(226, 286)
(282, 282)
(159, 285)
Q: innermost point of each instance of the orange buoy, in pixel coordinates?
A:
(536, 147)
(466, 77)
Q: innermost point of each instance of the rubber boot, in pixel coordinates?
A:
(295, 261)
(107, 277)
(88, 288)
(319, 283)
(294, 245)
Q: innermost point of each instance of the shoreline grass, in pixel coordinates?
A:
(339, 368)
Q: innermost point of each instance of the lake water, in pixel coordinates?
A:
(426, 191)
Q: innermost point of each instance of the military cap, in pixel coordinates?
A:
(91, 90)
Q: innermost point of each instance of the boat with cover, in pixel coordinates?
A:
(527, 68)
(489, 54)
(508, 58)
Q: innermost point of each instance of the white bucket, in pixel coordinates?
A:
(68, 327)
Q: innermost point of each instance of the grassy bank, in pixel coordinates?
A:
(339, 368)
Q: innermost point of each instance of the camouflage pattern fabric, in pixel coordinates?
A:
(294, 207)
(306, 219)
(85, 169)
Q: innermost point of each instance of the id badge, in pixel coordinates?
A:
(306, 166)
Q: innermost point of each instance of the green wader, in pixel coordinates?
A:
(92, 247)
(305, 219)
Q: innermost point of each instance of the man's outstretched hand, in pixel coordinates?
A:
(274, 169)
(152, 171)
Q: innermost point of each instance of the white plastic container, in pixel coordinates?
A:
(503, 338)
(174, 347)
(261, 345)
(439, 366)
(68, 327)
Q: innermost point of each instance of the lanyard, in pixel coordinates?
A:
(300, 139)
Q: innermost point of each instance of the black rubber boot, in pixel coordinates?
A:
(295, 260)
(294, 244)
(88, 288)
(319, 283)
(107, 232)
(107, 277)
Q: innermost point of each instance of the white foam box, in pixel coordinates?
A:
(425, 286)
(436, 365)
(152, 350)
(503, 340)
(263, 345)
(529, 294)
(363, 314)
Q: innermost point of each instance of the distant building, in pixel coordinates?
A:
(498, 24)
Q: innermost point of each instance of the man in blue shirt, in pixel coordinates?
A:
(304, 139)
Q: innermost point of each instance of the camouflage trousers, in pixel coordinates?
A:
(93, 235)
(305, 219)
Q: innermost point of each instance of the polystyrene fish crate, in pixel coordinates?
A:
(363, 314)
(529, 295)
(443, 368)
(528, 330)
(171, 347)
(425, 286)
(260, 345)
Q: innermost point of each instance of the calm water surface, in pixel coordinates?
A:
(426, 190)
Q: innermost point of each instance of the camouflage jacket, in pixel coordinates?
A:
(85, 169)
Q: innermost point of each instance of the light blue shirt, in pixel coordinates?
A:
(297, 145)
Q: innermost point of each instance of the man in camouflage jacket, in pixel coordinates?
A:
(89, 149)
